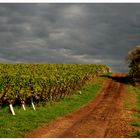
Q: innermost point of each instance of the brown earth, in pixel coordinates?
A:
(102, 117)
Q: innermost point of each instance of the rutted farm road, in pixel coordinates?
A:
(100, 118)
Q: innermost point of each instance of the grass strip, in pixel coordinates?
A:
(132, 102)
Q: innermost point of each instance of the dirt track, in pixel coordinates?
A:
(102, 117)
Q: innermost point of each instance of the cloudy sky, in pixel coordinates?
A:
(69, 33)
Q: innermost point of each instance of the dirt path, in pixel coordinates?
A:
(102, 117)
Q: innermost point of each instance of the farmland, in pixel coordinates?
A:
(67, 100)
(29, 83)
(113, 113)
(35, 91)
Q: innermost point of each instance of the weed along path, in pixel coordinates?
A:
(100, 118)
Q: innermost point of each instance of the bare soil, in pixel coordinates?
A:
(103, 117)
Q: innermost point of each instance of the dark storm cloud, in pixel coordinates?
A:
(69, 33)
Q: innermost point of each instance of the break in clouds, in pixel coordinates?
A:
(69, 33)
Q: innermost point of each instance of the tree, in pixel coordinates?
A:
(133, 59)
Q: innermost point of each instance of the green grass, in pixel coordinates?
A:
(137, 90)
(106, 74)
(135, 122)
(132, 98)
(132, 101)
(25, 121)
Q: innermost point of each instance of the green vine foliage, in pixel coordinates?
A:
(43, 82)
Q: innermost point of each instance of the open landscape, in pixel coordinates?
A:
(93, 103)
(69, 70)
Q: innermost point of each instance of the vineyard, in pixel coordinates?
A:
(33, 84)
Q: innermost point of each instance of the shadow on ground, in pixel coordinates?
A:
(122, 78)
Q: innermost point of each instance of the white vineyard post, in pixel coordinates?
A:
(12, 109)
(23, 106)
(32, 103)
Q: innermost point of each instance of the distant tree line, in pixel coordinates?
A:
(133, 59)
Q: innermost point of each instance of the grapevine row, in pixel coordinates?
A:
(41, 83)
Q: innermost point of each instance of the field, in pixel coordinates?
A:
(24, 121)
(31, 92)
(38, 83)
(102, 117)
(67, 101)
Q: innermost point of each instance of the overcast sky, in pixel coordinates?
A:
(69, 33)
